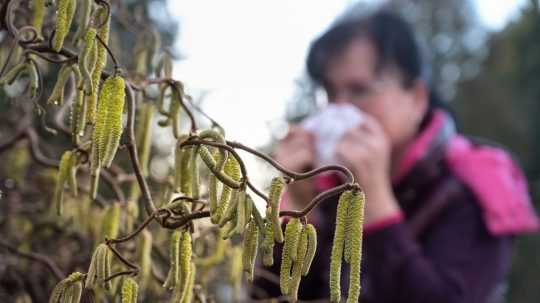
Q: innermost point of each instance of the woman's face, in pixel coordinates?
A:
(351, 77)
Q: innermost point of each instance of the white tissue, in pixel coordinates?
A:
(329, 125)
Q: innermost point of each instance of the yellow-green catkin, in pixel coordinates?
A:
(292, 235)
(62, 176)
(181, 288)
(274, 197)
(241, 208)
(298, 265)
(337, 246)
(194, 167)
(100, 266)
(236, 269)
(267, 245)
(129, 291)
(185, 171)
(232, 169)
(108, 128)
(34, 78)
(176, 102)
(76, 294)
(250, 245)
(144, 134)
(104, 267)
(57, 95)
(311, 248)
(131, 215)
(85, 59)
(101, 62)
(84, 19)
(164, 66)
(356, 212)
(187, 297)
(72, 176)
(213, 190)
(232, 209)
(181, 169)
(111, 221)
(64, 16)
(145, 258)
(38, 9)
(67, 289)
(173, 277)
(78, 108)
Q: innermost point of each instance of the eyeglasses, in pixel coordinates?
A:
(358, 92)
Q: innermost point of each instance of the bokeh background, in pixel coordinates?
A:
(242, 61)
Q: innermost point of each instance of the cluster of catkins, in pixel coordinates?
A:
(96, 125)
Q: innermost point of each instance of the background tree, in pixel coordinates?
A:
(501, 104)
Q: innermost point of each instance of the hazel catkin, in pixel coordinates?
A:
(292, 235)
(250, 245)
(276, 189)
(356, 212)
(108, 128)
(337, 246)
(129, 291)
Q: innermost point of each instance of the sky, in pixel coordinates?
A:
(245, 55)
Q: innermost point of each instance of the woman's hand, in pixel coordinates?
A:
(296, 151)
(366, 151)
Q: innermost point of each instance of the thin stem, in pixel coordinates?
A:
(315, 201)
(121, 273)
(36, 152)
(108, 51)
(258, 192)
(295, 175)
(186, 219)
(135, 232)
(180, 93)
(132, 148)
(50, 264)
(122, 259)
(114, 185)
(222, 146)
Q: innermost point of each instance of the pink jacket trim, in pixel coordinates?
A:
(419, 147)
(497, 182)
(383, 223)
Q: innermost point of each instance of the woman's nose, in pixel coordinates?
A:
(340, 98)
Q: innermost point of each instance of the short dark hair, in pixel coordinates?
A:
(392, 37)
(395, 45)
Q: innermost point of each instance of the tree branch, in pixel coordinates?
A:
(50, 264)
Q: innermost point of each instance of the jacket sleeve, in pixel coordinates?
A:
(456, 261)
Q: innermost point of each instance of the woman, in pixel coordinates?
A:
(441, 211)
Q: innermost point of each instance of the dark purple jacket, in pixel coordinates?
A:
(442, 251)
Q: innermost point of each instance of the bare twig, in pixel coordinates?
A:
(132, 148)
(50, 264)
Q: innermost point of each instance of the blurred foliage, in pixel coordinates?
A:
(27, 219)
(501, 104)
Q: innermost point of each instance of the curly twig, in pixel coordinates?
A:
(133, 153)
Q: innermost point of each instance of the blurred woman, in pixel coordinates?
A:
(441, 209)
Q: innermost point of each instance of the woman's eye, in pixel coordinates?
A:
(358, 91)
